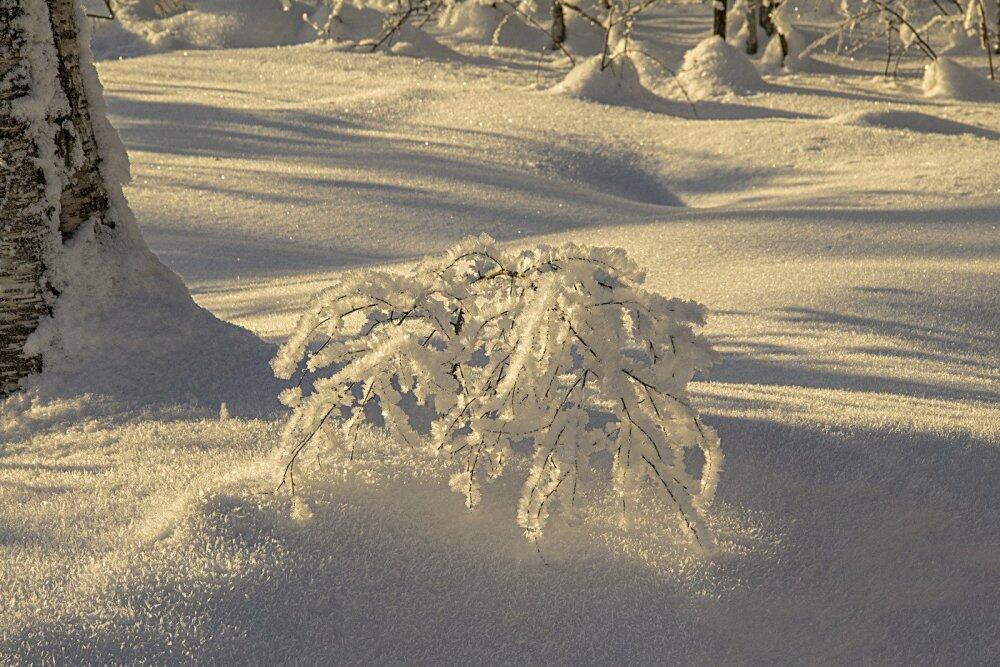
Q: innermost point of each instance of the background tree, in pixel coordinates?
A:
(719, 18)
(753, 18)
(558, 24)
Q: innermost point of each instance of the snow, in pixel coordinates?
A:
(962, 41)
(910, 121)
(611, 81)
(415, 43)
(206, 24)
(493, 24)
(798, 58)
(842, 231)
(948, 79)
(362, 28)
(714, 68)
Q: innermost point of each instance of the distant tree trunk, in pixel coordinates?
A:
(753, 17)
(996, 43)
(719, 18)
(766, 22)
(985, 30)
(52, 181)
(769, 26)
(558, 24)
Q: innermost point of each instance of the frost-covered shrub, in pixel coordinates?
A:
(483, 353)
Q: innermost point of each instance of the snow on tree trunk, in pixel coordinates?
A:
(770, 21)
(84, 196)
(766, 22)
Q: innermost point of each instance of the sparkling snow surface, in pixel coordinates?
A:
(844, 232)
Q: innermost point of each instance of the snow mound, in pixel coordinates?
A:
(353, 23)
(715, 69)
(798, 59)
(415, 43)
(741, 38)
(945, 78)
(125, 326)
(208, 24)
(485, 23)
(616, 84)
(912, 121)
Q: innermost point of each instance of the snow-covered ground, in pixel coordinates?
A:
(842, 229)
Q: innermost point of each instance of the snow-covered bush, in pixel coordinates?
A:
(375, 25)
(957, 27)
(496, 24)
(482, 354)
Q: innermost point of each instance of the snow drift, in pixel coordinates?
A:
(616, 83)
(716, 69)
(206, 24)
(945, 78)
(490, 24)
(911, 121)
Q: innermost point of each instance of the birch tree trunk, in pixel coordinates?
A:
(52, 180)
(24, 222)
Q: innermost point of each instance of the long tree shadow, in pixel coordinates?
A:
(748, 370)
(909, 325)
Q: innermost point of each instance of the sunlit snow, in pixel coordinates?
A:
(841, 227)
